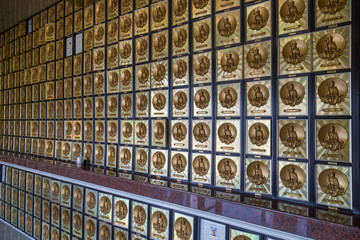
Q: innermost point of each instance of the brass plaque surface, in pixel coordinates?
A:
(139, 219)
(202, 35)
(229, 64)
(293, 16)
(159, 223)
(259, 137)
(180, 69)
(183, 227)
(258, 21)
(202, 101)
(332, 13)
(159, 162)
(258, 99)
(292, 142)
(201, 134)
(201, 168)
(257, 60)
(227, 172)
(228, 136)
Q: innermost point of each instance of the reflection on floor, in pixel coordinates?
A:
(8, 232)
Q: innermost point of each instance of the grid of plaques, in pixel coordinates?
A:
(47, 208)
(207, 93)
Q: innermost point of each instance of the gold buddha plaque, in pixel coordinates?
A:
(46, 210)
(52, 14)
(202, 35)
(125, 159)
(37, 207)
(258, 176)
(50, 129)
(77, 86)
(293, 180)
(112, 9)
(99, 83)
(160, 45)
(180, 71)
(335, 57)
(29, 203)
(49, 148)
(121, 212)
(202, 68)
(332, 13)
(183, 227)
(88, 130)
(65, 219)
(112, 31)
(88, 39)
(201, 134)
(239, 235)
(77, 64)
(88, 152)
(78, 21)
(35, 75)
(68, 66)
(141, 160)
(90, 228)
(159, 128)
(69, 4)
(68, 25)
(100, 131)
(159, 103)
(259, 137)
(34, 129)
(50, 87)
(88, 61)
(227, 28)
(159, 74)
(202, 101)
(158, 162)
(201, 168)
(111, 156)
(99, 154)
(99, 35)
(88, 86)
(258, 60)
(142, 49)
(50, 32)
(139, 218)
(99, 59)
(333, 94)
(126, 79)
(258, 99)
(77, 130)
(126, 6)
(127, 130)
(112, 56)
(91, 201)
(292, 139)
(180, 12)
(141, 132)
(51, 71)
(141, 19)
(228, 100)
(112, 106)
(125, 53)
(293, 16)
(229, 64)
(142, 80)
(88, 107)
(142, 104)
(100, 12)
(112, 131)
(126, 106)
(180, 102)
(89, 16)
(59, 49)
(105, 231)
(258, 21)
(66, 150)
(22, 200)
(334, 186)
(37, 228)
(22, 180)
(59, 10)
(227, 138)
(333, 140)
(43, 21)
(29, 182)
(200, 8)
(295, 54)
(159, 223)
(60, 29)
(21, 217)
(76, 150)
(179, 165)
(55, 191)
(125, 26)
(68, 108)
(28, 224)
(77, 224)
(227, 172)
(159, 15)
(293, 96)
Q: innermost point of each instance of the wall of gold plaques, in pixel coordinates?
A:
(229, 96)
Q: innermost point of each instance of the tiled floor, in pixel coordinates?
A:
(8, 232)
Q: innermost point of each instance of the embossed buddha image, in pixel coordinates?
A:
(125, 77)
(112, 31)
(159, 222)
(201, 165)
(125, 26)
(329, 12)
(201, 33)
(77, 222)
(180, 100)
(143, 75)
(68, 128)
(292, 10)
(125, 156)
(178, 163)
(112, 55)
(125, 50)
(88, 152)
(333, 91)
(158, 74)
(65, 193)
(295, 51)
(333, 182)
(226, 134)
(49, 148)
(292, 94)
(159, 131)
(227, 169)
(180, 70)
(105, 233)
(112, 129)
(121, 210)
(99, 154)
(105, 205)
(201, 132)
(78, 196)
(257, 172)
(99, 130)
(126, 104)
(333, 137)
(99, 105)
(159, 101)
(258, 96)
(202, 99)
(141, 158)
(90, 228)
(331, 46)
(182, 226)
(256, 59)
(202, 65)
(127, 130)
(141, 21)
(98, 58)
(139, 215)
(158, 160)
(258, 134)
(65, 218)
(258, 18)
(141, 130)
(179, 39)
(293, 177)
(292, 135)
